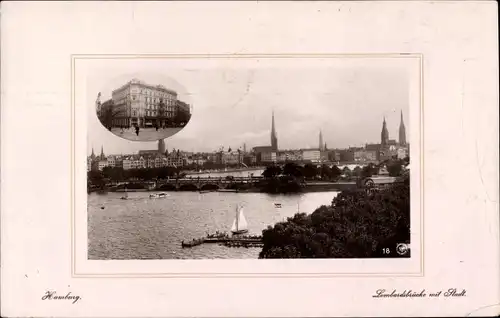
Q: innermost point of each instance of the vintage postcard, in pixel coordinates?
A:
(204, 159)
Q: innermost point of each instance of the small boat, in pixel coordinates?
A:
(192, 243)
(240, 225)
(125, 197)
(158, 195)
(277, 205)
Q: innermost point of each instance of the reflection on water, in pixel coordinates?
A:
(143, 228)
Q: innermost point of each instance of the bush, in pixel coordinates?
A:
(355, 225)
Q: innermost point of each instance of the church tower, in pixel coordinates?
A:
(402, 132)
(321, 144)
(92, 156)
(384, 136)
(274, 137)
(102, 157)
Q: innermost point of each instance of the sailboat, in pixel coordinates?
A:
(240, 225)
(125, 197)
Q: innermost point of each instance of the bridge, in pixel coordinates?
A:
(193, 183)
(207, 183)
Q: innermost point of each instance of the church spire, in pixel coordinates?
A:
(92, 155)
(384, 135)
(321, 145)
(402, 131)
(102, 153)
(274, 137)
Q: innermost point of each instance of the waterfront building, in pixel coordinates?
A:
(323, 155)
(347, 155)
(102, 164)
(174, 161)
(313, 155)
(150, 162)
(260, 150)
(232, 158)
(402, 132)
(126, 163)
(268, 156)
(147, 152)
(334, 155)
(111, 162)
(250, 159)
(365, 155)
(89, 164)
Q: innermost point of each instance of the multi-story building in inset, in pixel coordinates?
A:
(142, 104)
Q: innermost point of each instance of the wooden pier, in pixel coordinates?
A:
(228, 241)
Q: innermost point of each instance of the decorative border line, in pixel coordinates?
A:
(74, 57)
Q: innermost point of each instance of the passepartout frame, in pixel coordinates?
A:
(418, 56)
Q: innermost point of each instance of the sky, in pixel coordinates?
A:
(232, 103)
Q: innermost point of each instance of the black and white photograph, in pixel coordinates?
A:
(278, 162)
(249, 159)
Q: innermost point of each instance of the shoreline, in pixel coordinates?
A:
(324, 187)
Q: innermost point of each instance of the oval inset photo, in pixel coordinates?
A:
(136, 110)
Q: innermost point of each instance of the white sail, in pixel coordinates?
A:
(242, 222)
(233, 228)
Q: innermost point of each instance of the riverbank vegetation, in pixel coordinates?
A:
(358, 224)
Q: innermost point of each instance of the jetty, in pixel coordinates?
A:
(233, 241)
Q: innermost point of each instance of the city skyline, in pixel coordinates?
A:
(346, 104)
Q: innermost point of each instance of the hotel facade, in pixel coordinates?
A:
(142, 104)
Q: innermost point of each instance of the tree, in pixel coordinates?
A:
(326, 172)
(182, 117)
(368, 171)
(336, 172)
(356, 225)
(293, 170)
(96, 178)
(271, 171)
(356, 171)
(310, 171)
(108, 114)
(395, 168)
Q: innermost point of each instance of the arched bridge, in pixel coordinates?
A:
(206, 183)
